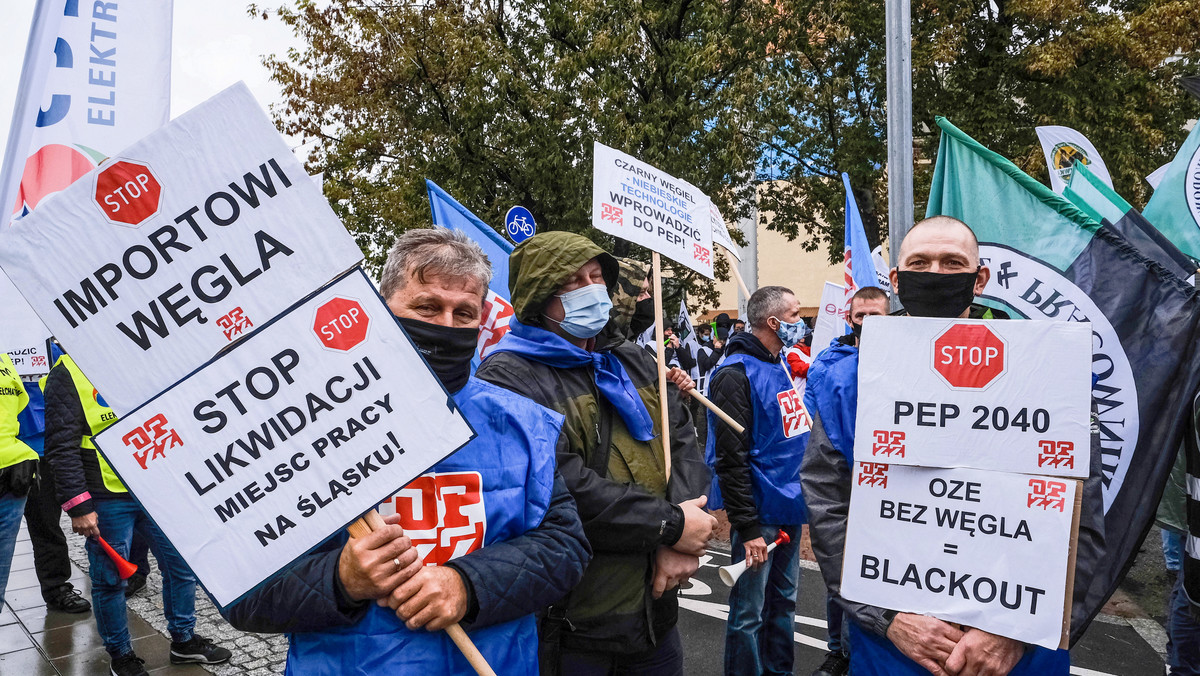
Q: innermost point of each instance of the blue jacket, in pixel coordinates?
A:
(524, 550)
(777, 430)
(832, 398)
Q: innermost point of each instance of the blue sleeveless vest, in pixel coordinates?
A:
(495, 488)
(780, 433)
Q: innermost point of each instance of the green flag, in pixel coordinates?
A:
(1052, 260)
(1175, 206)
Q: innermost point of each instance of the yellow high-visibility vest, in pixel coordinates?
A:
(13, 400)
(98, 416)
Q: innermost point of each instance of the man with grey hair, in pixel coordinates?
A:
(486, 538)
(758, 481)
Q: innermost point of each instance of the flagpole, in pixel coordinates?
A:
(898, 20)
(661, 350)
(733, 267)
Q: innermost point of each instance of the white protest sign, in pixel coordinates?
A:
(156, 260)
(284, 439)
(720, 232)
(634, 201)
(989, 550)
(22, 333)
(831, 317)
(1006, 395)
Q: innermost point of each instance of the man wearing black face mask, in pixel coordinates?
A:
(939, 274)
(527, 552)
(648, 532)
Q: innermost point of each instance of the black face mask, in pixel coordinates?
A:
(448, 350)
(856, 329)
(643, 317)
(934, 294)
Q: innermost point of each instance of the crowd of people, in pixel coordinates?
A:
(589, 531)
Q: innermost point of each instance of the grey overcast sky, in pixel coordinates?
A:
(215, 44)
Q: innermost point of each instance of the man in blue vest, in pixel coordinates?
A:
(18, 462)
(939, 275)
(498, 539)
(757, 479)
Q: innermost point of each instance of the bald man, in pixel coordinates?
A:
(939, 275)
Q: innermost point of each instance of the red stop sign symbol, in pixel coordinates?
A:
(341, 324)
(969, 356)
(128, 193)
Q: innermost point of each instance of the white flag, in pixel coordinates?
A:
(96, 78)
(687, 335)
(1155, 178)
(1064, 147)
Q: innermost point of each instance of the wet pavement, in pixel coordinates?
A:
(35, 641)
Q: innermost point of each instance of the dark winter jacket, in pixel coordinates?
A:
(627, 506)
(76, 469)
(308, 595)
(729, 390)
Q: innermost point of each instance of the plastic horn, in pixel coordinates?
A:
(124, 568)
(373, 521)
(730, 574)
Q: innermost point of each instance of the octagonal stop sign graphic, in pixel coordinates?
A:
(969, 356)
(127, 192)
(341, 324)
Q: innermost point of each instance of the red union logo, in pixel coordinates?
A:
(234, 323)
(128, 193)
(872, 474)
(152, 440)
(1046, 494)
(795, 416)
(888, 443)
(969, 356)
(443, 514)
(341, 324)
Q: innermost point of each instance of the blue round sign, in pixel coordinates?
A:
(518, 222)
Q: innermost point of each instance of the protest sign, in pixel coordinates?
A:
(167, 252)
(720, 233)
(1012, 396)
(22, 333)
(831, 317)
(994, 554)
(287, 437)
(634, 201)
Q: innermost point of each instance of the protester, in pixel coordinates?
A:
(648, 532)
(705, 335)
(939, 274)
(738, 326)
(865, 302)
(51, 562)
(706, 361)
(758, 482)
(100, 505)
(533, 550)
(18, 463)
(1183, 630)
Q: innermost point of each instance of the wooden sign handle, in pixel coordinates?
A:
(659, 340)
(373, 521)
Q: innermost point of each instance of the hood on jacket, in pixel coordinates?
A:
(625, 293)
(750, 344)
(540, 265)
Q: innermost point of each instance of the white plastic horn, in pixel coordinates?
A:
(730, 574)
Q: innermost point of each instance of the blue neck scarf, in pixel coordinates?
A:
(609, 374)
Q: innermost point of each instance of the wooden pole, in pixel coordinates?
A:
(661, 349)
(371, 521)
(717, 412)
(733, 266)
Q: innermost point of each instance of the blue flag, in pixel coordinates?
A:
(860, 267)
(448, 213)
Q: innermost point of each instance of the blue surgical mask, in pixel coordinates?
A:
(791, 333)
(586, 310)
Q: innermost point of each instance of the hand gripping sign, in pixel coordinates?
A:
(1007, 395)
(287, 437)
(994, 549)
(178, 245)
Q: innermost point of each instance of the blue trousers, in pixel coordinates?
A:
(119, 518)
(12, 508)
(760, 634)
(1183, 633)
